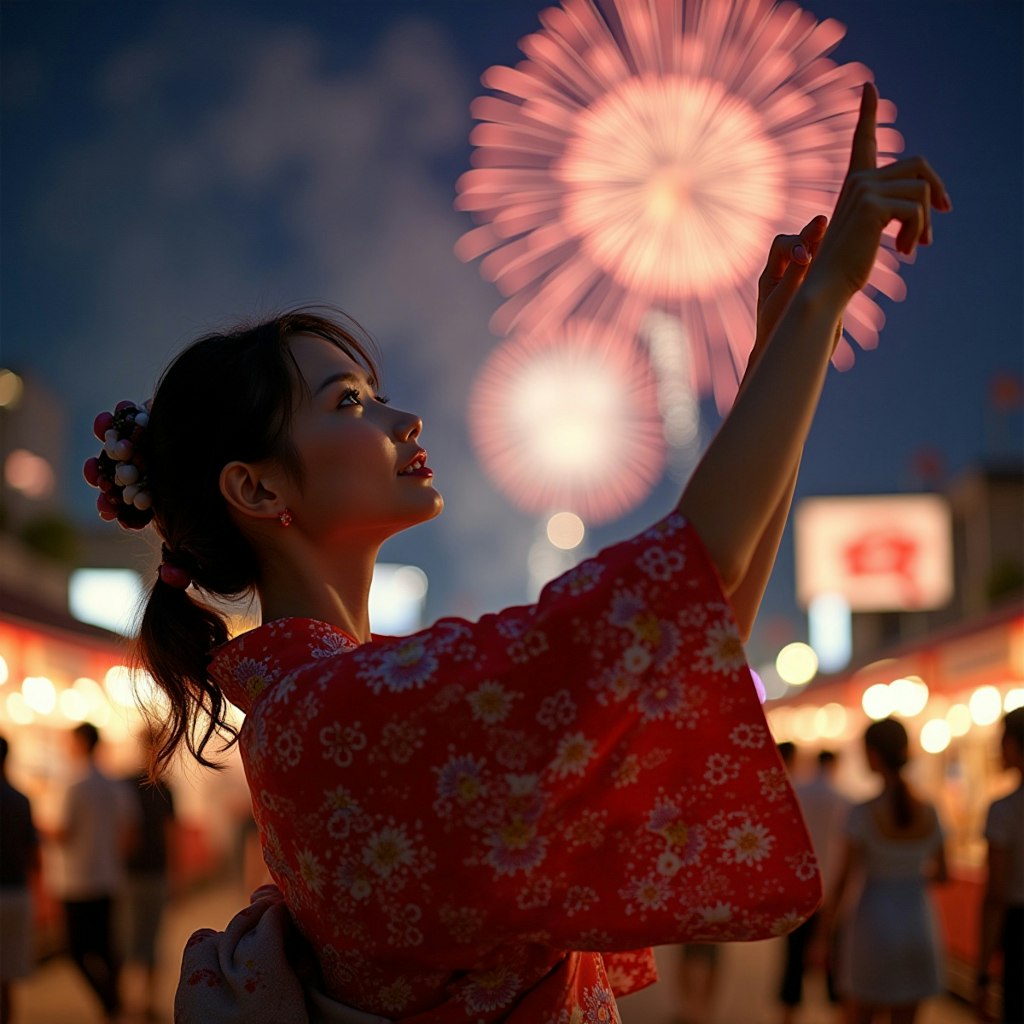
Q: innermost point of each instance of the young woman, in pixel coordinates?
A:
(890, 956)
(458, 820)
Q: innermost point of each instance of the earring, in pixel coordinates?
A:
(284, 517)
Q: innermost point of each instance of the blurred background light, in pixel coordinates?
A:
(797, 664)
(29, 473)
(877, 701)
(1014, 699)
(566, 530)
(11, 387)
(830, 630)
(397, 598)
(986, 705)
(958, 718)
(39, 694)
(109, 598)
(909, 696)
(935, 736)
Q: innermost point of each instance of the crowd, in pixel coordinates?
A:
(876, 939)
(114, 841)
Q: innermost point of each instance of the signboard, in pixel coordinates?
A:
(881, 553)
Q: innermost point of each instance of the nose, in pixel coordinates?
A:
(408, 426)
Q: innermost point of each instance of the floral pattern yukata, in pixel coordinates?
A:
(483, 822)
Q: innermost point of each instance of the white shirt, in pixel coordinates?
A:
(825, 811)
(97, 812)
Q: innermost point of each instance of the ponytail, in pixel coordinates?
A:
(902, 808)
(888, 739)
(176, 638)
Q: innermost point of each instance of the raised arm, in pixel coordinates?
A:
(784, 272)
(745, 473)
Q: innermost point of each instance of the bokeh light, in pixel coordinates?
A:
(569, 421)
(566, 530)
(634, 138)
(39, 693)
(958, 718)
(11, 388)
(18, 710)
(1014, 699)
(935, 736)
(4, 672)
(73, 705)
(877, 701)
(985, 705)
(909, 696)
(830, 721)
(797, 664)
(29, 473)
(804, 723)
(119, 686)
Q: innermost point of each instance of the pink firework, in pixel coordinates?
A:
(644, 155)
(569, 422)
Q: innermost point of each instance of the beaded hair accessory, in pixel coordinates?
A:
(119, 471)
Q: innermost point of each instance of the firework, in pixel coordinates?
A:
(643, 156)
(569, 422)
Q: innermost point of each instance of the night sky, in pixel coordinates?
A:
(168, 167)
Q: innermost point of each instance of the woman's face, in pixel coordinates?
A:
(364, 471)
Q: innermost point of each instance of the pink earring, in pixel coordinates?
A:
(284, 517)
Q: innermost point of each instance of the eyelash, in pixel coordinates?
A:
(354, 393)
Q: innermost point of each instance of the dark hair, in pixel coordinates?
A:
(787, 751)
(228, 396)
(88, 734)
(827, 758)
(1013, 726)
(4, 747)
(888, 739)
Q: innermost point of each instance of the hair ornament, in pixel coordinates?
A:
(119, 471)
(175, 576)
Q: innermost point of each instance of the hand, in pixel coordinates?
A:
(788, 261)
(872, 197)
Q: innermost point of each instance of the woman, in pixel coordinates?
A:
(1002, 908)
(459, 819)
(890, 957)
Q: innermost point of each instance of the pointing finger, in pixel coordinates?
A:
(864, 152)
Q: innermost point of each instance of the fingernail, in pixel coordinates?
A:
(800, 254)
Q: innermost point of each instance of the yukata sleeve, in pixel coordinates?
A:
(597, 766)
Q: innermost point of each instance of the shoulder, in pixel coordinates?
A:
(1005, 815)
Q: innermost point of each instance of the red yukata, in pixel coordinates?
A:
(484, 822)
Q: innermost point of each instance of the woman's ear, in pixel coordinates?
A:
(251, 489)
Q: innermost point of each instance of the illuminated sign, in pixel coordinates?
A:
(884, 553)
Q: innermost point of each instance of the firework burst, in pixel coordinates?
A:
(569, 421)
(643, 156)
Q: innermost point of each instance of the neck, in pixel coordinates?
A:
(305, 584)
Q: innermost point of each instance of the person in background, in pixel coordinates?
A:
(825, 810)
(96, 827)
(890, 954)
(19, 860)
(145, 889)
(697, 981)
(787, 751)
(1002, 909)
